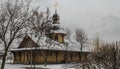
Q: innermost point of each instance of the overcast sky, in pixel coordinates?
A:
(94, 16)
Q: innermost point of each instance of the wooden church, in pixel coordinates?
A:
(28, 51)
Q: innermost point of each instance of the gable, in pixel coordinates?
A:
(27, 42)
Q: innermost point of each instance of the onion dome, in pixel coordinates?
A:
(55, 17)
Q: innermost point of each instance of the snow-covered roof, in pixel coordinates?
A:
(39, 48)
(58, 25)
(58, 31)
(43, 43)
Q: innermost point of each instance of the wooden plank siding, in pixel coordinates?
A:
(39, 56)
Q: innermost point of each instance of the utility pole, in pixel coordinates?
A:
(31, 57)
(30, 45)
(66, 44)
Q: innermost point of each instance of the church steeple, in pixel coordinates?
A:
(56, 32)
(55, 18)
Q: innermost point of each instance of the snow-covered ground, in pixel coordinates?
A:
(52, 66)
(9, 65)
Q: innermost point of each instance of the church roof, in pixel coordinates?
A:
(39, 48)
(59, 31)
(27, 42)
(43, 44)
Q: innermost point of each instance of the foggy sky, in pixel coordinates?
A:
(94, 16)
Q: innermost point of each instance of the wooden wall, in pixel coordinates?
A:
(60, 37)
(48, 56)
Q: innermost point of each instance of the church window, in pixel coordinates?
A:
(56, 37)
(29, 43)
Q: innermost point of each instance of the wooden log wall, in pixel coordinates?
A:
(52, 57)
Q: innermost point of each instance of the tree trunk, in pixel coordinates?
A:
(114, 64)
(81, 51)
(4, 60)
(81, 47)
(81, 56)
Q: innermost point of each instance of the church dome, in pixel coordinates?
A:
(55, 17)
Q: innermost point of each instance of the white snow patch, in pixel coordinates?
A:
(52, 66)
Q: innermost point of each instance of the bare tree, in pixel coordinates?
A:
(40, 25)
(68, 32)
(14, 15)
(96, 42)
(67, 42)
(81, 37)
(107, 56)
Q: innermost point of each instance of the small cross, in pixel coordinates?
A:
(56, 5)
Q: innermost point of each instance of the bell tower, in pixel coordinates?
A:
(55, 18)
(56, 33)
